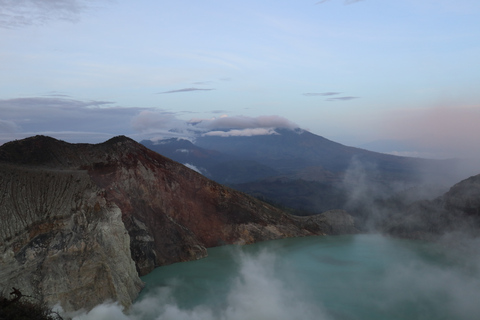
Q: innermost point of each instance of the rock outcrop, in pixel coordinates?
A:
(60, 239)
(458, 210)
(81, 222)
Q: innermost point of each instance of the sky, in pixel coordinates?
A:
(395, 76)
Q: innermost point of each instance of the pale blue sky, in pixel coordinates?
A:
(351, 71)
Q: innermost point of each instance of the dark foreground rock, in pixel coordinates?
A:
(80, 223)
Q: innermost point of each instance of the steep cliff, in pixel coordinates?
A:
(80, 222)
(61, 241)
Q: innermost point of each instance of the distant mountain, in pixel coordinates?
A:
(307, 172)
(289, 152)
(81, 222)
(292, 150)
(221, 167)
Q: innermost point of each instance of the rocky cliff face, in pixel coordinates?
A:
(80, 222)
(458, 210)
(61, 241)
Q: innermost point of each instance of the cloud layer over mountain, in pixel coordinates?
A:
(439, 132)
(157, 122)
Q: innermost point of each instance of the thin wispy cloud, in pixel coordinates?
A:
(202, 82)
(56, 95)
(329, 94)
(21, 13)
(8, 126)
(342, 98)
(186, 90)
(36, 103)
(77, 120)
(322, 94)
(345, 2)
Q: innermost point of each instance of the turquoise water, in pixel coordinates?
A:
(335, 277)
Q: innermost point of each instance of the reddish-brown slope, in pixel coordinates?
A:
(171, 213)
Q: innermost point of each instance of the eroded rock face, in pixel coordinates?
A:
(80, 222)
(62, 241)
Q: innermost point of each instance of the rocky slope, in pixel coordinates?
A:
(81, 222)
(457, 211)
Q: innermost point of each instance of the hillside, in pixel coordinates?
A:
(309, 173)
(81, 222)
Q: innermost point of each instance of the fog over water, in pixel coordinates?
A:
(332, 277)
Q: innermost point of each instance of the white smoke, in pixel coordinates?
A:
(372, 277)
(194, 168)
(257, 292)
(448, 279)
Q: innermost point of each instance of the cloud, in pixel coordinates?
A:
(34, 103)
(202, 82)
(163, 124)
(330, 93)
(8, 126)
(57, 94)
(242, 133)
(185, 90)
(76, 120)
(20, 13)
(314, 94)
(243, 122)
(94, 121)
(156, 121)
(342, 98)
(345, 2)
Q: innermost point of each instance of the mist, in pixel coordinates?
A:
(336, 277)
(256, 291)
(379, 198)
(345, 277)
